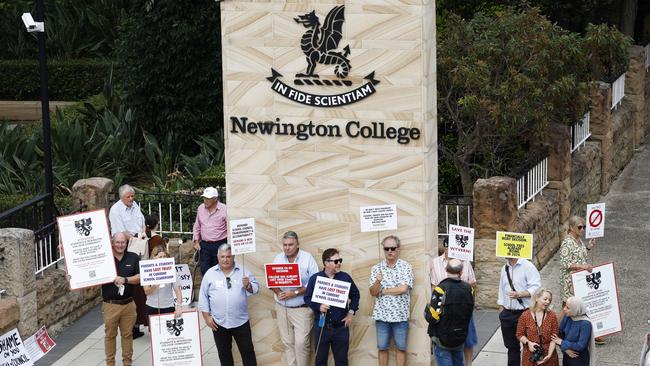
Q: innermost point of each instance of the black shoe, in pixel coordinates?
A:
(137, 333)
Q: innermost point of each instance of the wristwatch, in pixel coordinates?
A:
(126, 280)
(296, 292)
(351, 311)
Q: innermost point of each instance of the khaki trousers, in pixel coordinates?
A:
(122, 316)
(295, 330)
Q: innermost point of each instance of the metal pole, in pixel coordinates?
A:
(45, 110)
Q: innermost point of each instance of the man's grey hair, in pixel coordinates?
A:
(397, 241)
(290, 235)
(114, 237)
(454, 266)
(125, 189)
(225, 247)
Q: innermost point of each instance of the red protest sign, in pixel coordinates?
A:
(282, 275)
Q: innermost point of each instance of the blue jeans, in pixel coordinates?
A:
(399, 331)
(448, 357)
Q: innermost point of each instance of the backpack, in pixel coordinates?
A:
(449, 313)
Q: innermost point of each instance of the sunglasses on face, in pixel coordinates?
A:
(228, 283)
(580, 227)
(336, 261)
(390, 249)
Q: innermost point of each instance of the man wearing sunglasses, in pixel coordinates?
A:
(390, 282)
(223, 302)
(335, 332)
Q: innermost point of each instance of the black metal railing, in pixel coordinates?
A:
(455, 210)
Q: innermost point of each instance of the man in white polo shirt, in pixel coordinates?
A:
(295, 318)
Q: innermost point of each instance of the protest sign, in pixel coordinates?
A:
(12, 350)
(514, 245)
(39, 344)
(599, 293)
(157, 271)
(282, 275)
(595, 222)
(378, 218)
(242, 236)
(185, 281)
(331, 292)
(176, 342)
(461, 243)
(87, 248)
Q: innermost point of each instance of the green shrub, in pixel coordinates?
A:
(67, 79)
(9, 201)
(607, 49)
(213, 177)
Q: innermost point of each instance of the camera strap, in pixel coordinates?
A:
(512, 286)
(538, 326)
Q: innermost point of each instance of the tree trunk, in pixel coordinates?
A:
(465, 176)
(628, 17)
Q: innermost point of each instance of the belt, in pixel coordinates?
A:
(119, 302)
(299, 306)
(515, 310)
(216, 242)
(331, 325)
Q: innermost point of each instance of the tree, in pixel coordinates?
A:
(169, 67)
(502, 79)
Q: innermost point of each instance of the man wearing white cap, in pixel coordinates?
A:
(210, 228)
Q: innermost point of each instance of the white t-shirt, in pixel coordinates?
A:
(163, 296)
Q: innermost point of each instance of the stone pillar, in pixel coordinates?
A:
(601, 129)
(635, 91)
(495, 209)
(559, 166)
(18, 277)
(93, 193)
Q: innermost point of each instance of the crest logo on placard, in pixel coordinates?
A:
(320, 45)
(462, 240)
(175, 326)
(84, 226)
(594, 280)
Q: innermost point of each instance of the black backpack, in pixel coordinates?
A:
(449, 313)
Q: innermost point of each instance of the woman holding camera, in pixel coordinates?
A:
(535, 329)
(576, 339)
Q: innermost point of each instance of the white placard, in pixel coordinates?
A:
(331, 292)
(186, 282)
(176, 342)
(599, 292)
(242, 236)
(87, 248)
(39, 344)
(12, 350)
(595, 221)
(461, 243)
(378, 218)
(157, 271)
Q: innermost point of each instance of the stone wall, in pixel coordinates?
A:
(542, 219)
(585, 177)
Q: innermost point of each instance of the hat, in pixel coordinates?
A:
(210, 192)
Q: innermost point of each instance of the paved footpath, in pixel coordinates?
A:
(626, 243)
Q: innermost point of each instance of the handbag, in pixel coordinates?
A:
(139, 245)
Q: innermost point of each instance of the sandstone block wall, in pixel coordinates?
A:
(585, 177)
(542, 219)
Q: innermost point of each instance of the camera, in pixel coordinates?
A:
(31, 25)
(538, 354)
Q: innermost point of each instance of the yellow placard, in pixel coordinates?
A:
(514, 245)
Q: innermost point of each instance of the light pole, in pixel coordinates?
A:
(37, 25)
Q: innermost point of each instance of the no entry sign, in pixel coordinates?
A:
(595, 221)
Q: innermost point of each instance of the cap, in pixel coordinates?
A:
(210, 192)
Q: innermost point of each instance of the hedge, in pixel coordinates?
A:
(213, 177)
(68, 80)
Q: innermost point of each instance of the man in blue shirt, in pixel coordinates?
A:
(223, 302)
(335, 332)
(295, 318)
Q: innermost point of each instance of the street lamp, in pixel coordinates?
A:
(37, 25)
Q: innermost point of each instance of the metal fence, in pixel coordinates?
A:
(33, 215)
(618, 91)
(580, 132)
(454, 210)
(531, 183)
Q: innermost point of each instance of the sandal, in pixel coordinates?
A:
(599, 341)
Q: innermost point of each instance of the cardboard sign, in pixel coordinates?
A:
(242, 236)
(461, 243)
(12, 350)
(331, 292)
(87, 248)
(157, 271)
(595, 221)
(186, 283)
(176, 342)
(514, 245)
(599, 292)
(378, 218)
(39, 344)
(282, 275)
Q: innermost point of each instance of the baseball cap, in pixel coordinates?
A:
(210, 192)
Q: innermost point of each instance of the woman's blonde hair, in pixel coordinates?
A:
(539, 293)
(574, 221)
(157, 250)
